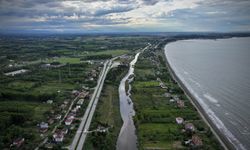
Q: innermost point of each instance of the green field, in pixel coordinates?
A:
(110, 52)
(20, 118)
(23, 97)
(155, 114)
(107, 113)
(54, 87)
(65, 60)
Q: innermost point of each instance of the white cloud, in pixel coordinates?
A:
(125, 14)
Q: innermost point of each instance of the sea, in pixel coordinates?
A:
(217, 73)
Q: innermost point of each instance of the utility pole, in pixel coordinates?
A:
(69, 70)
(60, 78)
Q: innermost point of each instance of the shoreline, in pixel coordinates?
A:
(226, 144)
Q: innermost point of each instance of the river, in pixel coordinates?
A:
(217, 73)
(127, 139)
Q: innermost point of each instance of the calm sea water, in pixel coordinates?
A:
(217, 72)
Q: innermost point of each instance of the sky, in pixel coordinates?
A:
(124, 16)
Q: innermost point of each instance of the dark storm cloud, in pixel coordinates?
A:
(227, 15)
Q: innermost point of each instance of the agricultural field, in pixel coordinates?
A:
(157, 108)
(45, 70)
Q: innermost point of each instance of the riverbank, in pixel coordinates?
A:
(127, 138)
(216, 131)
(159, 103)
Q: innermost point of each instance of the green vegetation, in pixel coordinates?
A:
(109, 52)
(156, 114)
(56, 65)
(20, 118)
(107, 114)
(65, 60)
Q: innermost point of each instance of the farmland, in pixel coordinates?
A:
(56, 66)
(156, 98)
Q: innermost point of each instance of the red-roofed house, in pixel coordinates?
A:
(69, 120)
(58, 136)
(18, 142)
(196, 140)
(180, 103)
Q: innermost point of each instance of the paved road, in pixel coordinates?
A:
(80, 135)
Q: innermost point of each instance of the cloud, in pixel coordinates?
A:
(127, 15)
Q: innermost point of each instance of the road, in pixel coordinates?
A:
(80, 135)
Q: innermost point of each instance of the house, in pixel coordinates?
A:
(187, 142)
(13, 73)
(167, 94)
(179, 120)
(75, 110)
(180, 103)
(18, 142)
(43, 127)
(58, 117)
(84, 94)
(52, 65)
(68, 121)
(93, 73)
(49, 101)
(75, 92)
(48, 146)
(171, 100)
(80, 101)
(45, 65)
(189, 127)
(196, 141)
(72, 115)
(51, 121)
(163, 86)
(63, 106)
(58, 136)
(65, 102)
(176, 97)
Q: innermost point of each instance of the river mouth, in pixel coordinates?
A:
(127, 139)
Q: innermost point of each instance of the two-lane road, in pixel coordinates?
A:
(80, 135)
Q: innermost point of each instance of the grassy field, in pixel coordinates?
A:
(155, 114)
(65, 60)
(23, 117)
(20, 85)
(54, 87)
(110, 52)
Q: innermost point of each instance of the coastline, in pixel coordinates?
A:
(220, 136)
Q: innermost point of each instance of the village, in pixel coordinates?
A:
(63, 119)
(165, 118)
